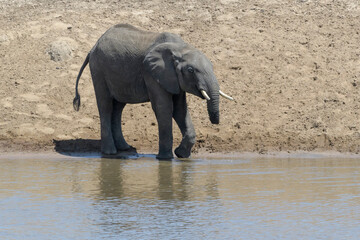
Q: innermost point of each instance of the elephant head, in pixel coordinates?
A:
(178, 66)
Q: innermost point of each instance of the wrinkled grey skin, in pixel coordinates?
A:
(129, 65)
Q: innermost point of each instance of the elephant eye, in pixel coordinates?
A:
(190, 69)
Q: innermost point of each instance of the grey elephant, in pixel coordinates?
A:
(129, 65)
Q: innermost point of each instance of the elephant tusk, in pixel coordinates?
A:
(225, 95)
(205, 95)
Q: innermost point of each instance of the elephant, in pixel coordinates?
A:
(129, 66)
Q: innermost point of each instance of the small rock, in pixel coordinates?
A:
(62, 49)
(4, 38)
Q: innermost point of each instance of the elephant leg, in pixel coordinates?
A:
(105, 106)
(161, 102)
(164, 120)
(183, 120)
(120, 143)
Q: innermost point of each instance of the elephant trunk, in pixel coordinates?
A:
(213, 104)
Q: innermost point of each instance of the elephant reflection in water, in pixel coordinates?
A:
(163, 181)
(129, 65)
(133, 195)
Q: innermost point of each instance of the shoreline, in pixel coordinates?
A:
(201, 154)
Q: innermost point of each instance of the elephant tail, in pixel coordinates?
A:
(76, 102)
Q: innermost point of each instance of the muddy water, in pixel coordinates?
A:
(92, 198)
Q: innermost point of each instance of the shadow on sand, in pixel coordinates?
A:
(89, 147)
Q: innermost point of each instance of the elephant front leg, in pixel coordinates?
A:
(162, 104)
(163, 112)
(183, 120)
(165, 136)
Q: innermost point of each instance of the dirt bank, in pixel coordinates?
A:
(293, 67)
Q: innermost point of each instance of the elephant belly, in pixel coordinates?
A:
(128, 91)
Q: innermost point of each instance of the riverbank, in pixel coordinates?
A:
(292, 66)
(57, 152)
(202, 156)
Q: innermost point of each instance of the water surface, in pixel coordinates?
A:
(93, 198)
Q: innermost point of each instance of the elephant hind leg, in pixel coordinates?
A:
(105, 106)
(120, 143)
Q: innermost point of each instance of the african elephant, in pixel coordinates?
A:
(129, 65)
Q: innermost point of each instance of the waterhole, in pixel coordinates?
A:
(238, 198)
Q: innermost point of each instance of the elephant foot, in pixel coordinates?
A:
(123, 146)
(162, 156)
(108, 146)
(127, 149)
(106, 150)
(130, 151)
(182, 152)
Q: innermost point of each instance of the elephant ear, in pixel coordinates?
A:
(160, 63)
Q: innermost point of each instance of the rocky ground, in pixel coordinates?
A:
(293, 67)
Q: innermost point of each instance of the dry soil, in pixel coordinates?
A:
(293, 67)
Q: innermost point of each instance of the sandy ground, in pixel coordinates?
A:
(292, 65)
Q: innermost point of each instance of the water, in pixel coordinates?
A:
(92, 198)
